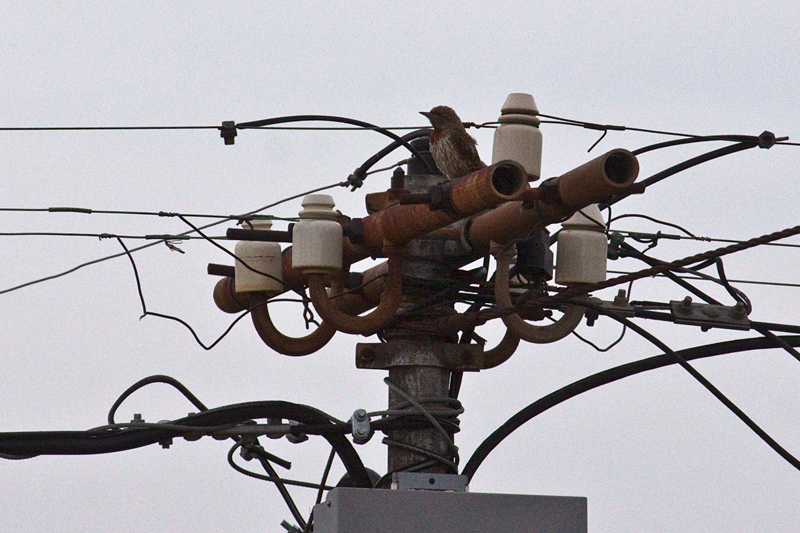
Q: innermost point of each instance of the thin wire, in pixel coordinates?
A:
(697, 376)
(160, 237)
(89, 211)
(126, 128)
(652, 219)
(604, 378)
(114, 256)
(145, 312)
(107, 128)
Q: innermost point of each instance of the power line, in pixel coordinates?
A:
(120, 254)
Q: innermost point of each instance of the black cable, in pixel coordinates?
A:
(369, 163)
(279, 484)
(155, 379)
(114, 256)
(689, 163)
(695, 139)
(256, 475)
(698, 376)
(34, 443)
(604, 378)
(329, 118)
(197, 339)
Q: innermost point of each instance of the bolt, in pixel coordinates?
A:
(360, 414)
(621, 298)
(739, 311)
(686, 303)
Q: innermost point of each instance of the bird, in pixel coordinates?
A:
(453, 149)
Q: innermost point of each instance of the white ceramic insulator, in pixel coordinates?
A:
(262, 256)
(582, 252)
(317, 237)
(518, 137)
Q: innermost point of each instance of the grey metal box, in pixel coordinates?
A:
(349, 510)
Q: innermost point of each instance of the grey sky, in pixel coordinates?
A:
(652, 453)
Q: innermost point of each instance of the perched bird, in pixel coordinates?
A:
(453, 149)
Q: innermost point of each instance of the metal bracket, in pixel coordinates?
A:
(383, 356)
(421, 481)
(709, 316)
(360, 428)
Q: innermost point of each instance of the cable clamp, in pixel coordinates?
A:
(360, 427)
(228, 131)
(355, 180)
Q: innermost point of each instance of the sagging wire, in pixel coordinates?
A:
(657, 221)
(145, 312)
(308, 314)
(615, 342)
(132, 250)
(604, 378)
(697, 376)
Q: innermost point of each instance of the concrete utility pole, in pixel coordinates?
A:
(419, 357)
(429, 227)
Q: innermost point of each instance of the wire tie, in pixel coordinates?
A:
(172, 247)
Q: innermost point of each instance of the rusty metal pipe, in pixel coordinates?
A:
(292, 346)
(359, 325)
(502, 352)
(515, 324)
(227, 299)
(476, 192)
(588, 184)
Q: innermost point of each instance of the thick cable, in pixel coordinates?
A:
(329, 118)
(604, 378)
(689, 163)
(700, 378)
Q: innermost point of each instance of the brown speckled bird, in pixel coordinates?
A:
(452, 148)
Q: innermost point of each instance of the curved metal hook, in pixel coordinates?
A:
(528, 332)
(359, 325)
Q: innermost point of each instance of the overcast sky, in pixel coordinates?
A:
(655, 452)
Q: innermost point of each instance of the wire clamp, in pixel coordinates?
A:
(361, 430)
(228, 131)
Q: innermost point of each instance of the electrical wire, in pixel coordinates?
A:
(680, 167)
(329, 118)
(604, 378)
(145, 312)
(697, 376)
(142, 247)
(256, 475)
(155, 379)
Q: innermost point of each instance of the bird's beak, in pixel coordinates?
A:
(426, 114)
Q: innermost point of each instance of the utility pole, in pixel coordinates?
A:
(429, 228)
